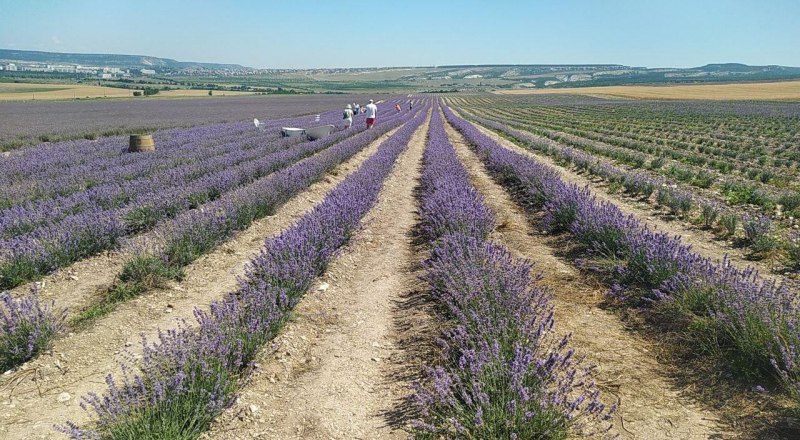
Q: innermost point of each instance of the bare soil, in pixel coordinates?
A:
(79, 362)
(77, 286)
(333, 371)
(628, 373)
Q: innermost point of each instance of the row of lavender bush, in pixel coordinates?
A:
(760, 234)
(191, 374)
(751, 323)
(118, 209)
(500, 371)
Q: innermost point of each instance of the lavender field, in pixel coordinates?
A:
(29, 123)
(473, 266)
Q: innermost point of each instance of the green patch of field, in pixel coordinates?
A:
(31, 89)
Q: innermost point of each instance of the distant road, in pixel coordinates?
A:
(782, 91)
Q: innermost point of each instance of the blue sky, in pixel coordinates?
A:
(358, 33)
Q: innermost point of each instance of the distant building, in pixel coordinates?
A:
(148, 72)
(11, 67)
(106, 76)
(474, 76)
(63, 68)
(36, 68)
(580, 77)
(87, 69)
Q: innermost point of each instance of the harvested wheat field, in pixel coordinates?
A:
(781, 91)
(31, 92)
(44, 92)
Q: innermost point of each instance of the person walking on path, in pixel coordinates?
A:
(397, 107)
(348, 116)
(410, 105)
(372, 113)
(357, 108)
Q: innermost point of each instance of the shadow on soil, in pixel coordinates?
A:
(416, 327)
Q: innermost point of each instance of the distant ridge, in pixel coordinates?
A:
(444, 77)
(111, 60)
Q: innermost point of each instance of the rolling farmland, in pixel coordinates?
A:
(474, 266)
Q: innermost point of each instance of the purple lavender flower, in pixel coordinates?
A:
(27, 327)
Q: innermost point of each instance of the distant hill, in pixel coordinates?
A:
(579, 75)
(422, 78)
(112, 60)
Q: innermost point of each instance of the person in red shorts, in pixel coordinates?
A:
(372, 113)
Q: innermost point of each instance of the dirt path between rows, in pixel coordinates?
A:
(75, 287)
(627, 371)
(702, 242)
(30, 398)
(331, 374)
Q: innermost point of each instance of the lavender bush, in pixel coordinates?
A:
(793, 248)
(709, 213)
(502, 373)
(729, 222)
(27, 327)
(758, 232)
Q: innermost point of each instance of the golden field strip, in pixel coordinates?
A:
(29, 92)
(784, 91)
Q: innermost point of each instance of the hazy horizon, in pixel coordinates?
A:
(309, 34)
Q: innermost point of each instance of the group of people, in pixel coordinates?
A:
(371, 111)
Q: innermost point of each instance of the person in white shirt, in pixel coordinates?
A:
(348, 116)
(372, 113)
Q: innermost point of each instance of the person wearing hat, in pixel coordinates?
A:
(348, 116)
(372, 113)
